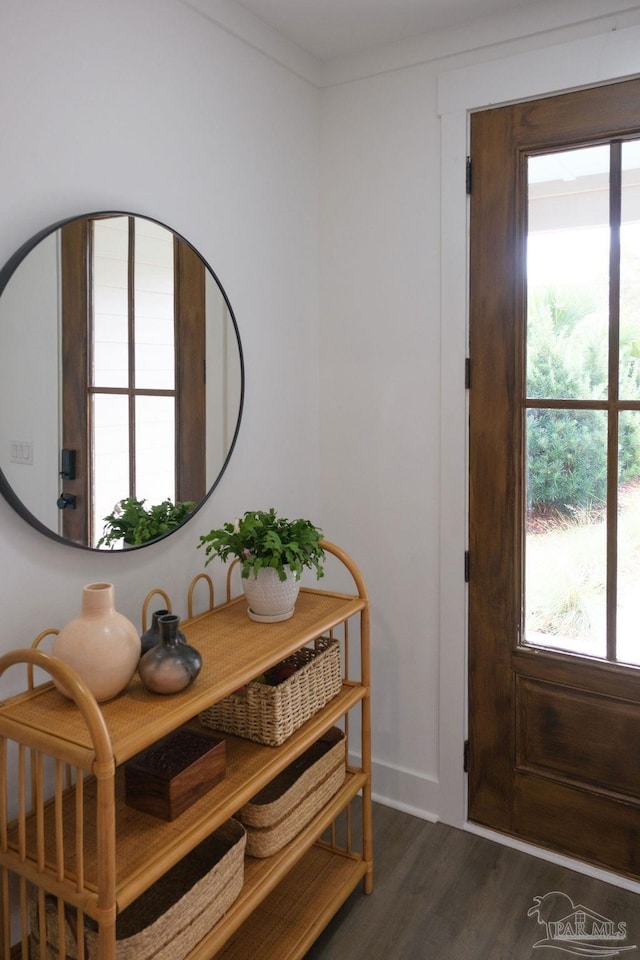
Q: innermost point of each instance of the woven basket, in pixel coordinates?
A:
(269, 714)
(169, 918)
(279, 812)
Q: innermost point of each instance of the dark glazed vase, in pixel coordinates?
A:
(170, 665)
(151, 637)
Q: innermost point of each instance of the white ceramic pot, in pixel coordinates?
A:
(270, 599)
(101, 645)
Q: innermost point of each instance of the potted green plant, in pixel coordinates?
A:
(134, 524)
(273, 552)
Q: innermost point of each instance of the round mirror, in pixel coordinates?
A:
(121, 379)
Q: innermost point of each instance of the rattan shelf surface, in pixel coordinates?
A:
(287, 922)
(146, 846)
(234, 649)
(266, 877)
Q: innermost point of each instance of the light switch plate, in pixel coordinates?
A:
(21, 451)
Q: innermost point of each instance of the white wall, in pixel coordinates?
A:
(151, 107)
(380, 402)
(29, 391)
(190, 125)
(393, 343)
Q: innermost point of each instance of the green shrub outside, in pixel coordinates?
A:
(568, 358)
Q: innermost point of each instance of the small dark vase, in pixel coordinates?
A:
(151, 637)
(170, 665)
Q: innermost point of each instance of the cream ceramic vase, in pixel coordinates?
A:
(101, 645)
(270, 599)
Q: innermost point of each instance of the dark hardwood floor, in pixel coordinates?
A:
(445, 894)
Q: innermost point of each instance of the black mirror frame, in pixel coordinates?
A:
(6, 272)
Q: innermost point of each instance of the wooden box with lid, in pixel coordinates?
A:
(168, 777)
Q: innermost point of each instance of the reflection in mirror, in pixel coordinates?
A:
(121, 368)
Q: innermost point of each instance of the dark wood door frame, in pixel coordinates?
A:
(509, 686)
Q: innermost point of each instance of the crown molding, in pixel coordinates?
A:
(245, 26)
(538, 24)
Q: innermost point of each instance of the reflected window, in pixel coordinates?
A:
(140, 379)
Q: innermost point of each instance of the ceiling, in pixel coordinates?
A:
(329, 29)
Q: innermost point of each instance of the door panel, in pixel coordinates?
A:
(554, 723)
(566, 735)
(604, 831)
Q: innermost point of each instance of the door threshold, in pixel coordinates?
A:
(579, 866)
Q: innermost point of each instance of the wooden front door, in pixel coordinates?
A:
(554, 547)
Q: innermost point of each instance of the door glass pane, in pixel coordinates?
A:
(567, 349)
(110, 265)
(628, 648)
(110, 451)
(565, 539)
(155, 449)
(568, 274)
(630, 273)
(153, 292)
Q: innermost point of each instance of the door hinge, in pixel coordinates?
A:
(467, 564)
(469, 176)
(465, 760)
(467, 373)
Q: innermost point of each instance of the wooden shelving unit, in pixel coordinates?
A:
(66, 830)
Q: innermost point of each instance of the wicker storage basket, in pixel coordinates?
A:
(269, 714)
(280, 811)
(169, 918)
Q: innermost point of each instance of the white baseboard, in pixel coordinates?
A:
(405, 790)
